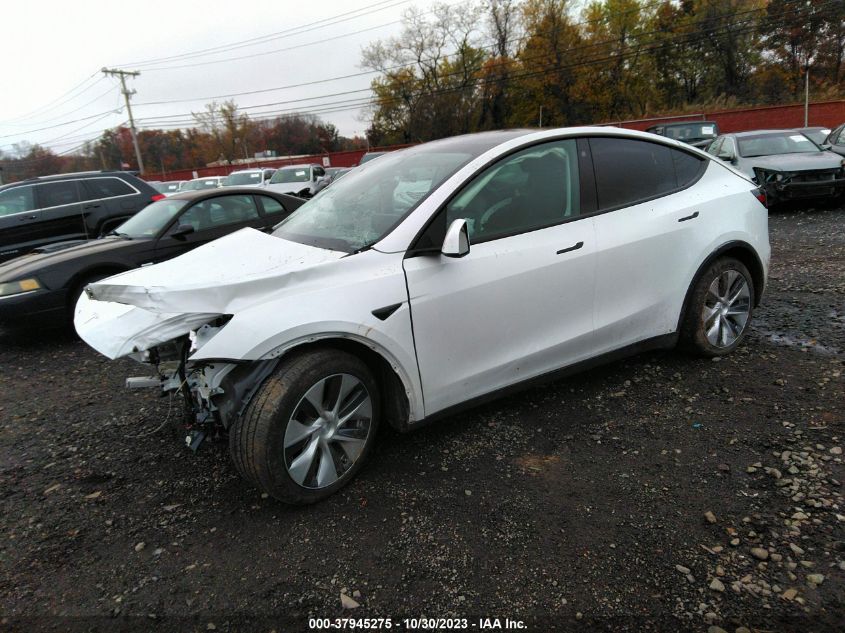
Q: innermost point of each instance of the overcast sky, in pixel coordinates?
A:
(54, 51)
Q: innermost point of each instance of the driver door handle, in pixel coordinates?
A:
(571, 248)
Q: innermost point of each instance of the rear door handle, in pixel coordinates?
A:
(91, 206)
(571, 248)
(689, 217)
(29, 217)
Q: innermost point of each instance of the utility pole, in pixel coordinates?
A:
(126, 94)
(807, 95)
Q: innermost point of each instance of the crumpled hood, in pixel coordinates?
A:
(797, 162)
(141, 308)
(221, 277)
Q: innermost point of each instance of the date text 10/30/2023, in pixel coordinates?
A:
(416, 624)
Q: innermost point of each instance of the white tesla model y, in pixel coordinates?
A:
(433, 278)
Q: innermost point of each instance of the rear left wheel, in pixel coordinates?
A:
(720, 309)
(309, 428)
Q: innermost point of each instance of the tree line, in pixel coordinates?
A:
(221, 135)
(491, 64)
(513, 63)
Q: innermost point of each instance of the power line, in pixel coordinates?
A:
(41, 109)
(305, 28)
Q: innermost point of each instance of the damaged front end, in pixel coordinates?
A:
(794, 185)
(214, 393)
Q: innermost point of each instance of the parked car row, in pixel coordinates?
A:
(42, 287)
(803, 163)
(304, 180)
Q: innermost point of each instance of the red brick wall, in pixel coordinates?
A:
(826, 113)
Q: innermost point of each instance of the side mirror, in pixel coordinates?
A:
(456, 243)
(825, 146)
(726, 156)
(182, 231)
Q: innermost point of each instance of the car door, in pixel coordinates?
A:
(107, 202)
(520, 303)
(61, 212)
(645, 231)
(18, 216)
(210, 218)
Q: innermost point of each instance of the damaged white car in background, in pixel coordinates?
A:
(519, 254)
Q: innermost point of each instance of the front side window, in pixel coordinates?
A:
(531, 189)
(98, 188)
(16, 200)
(56, 194)
(220, 211)
(629, 171)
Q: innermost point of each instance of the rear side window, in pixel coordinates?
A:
(687, 167)
(98, 188)
(271, 205)
(56, 194)
(16, 200)
(630, 171)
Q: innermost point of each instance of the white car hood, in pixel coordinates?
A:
(138, 309)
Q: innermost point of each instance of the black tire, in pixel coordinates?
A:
(256, 440)
(693, 336)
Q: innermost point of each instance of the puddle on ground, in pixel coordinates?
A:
(797, 341)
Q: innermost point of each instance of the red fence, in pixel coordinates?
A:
(826, 113)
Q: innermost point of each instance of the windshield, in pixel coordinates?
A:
(166, 187)
(244, 178)
(691, 132)
(291, 174)
(202, 183)
(152, 219)
(777, 143)
(817, 136)
(359, 210)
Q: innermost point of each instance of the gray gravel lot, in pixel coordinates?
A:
(659, 493)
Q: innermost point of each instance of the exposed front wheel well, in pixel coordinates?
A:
(394, 401)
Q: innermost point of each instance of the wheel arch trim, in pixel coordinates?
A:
(412, 391)
(757, 270)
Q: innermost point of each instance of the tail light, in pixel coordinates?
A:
(158, 196)
(760, 195)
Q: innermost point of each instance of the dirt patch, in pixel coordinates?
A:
(576, 506)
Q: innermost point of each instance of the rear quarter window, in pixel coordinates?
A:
(98, 188)
(629, 171)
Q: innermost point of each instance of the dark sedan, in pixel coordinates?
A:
(43, 287)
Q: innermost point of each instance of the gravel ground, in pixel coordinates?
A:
(659, 493)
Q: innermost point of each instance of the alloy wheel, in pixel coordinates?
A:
(727, 308)
(327, 431)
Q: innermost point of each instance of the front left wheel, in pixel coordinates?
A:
(309, 428)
